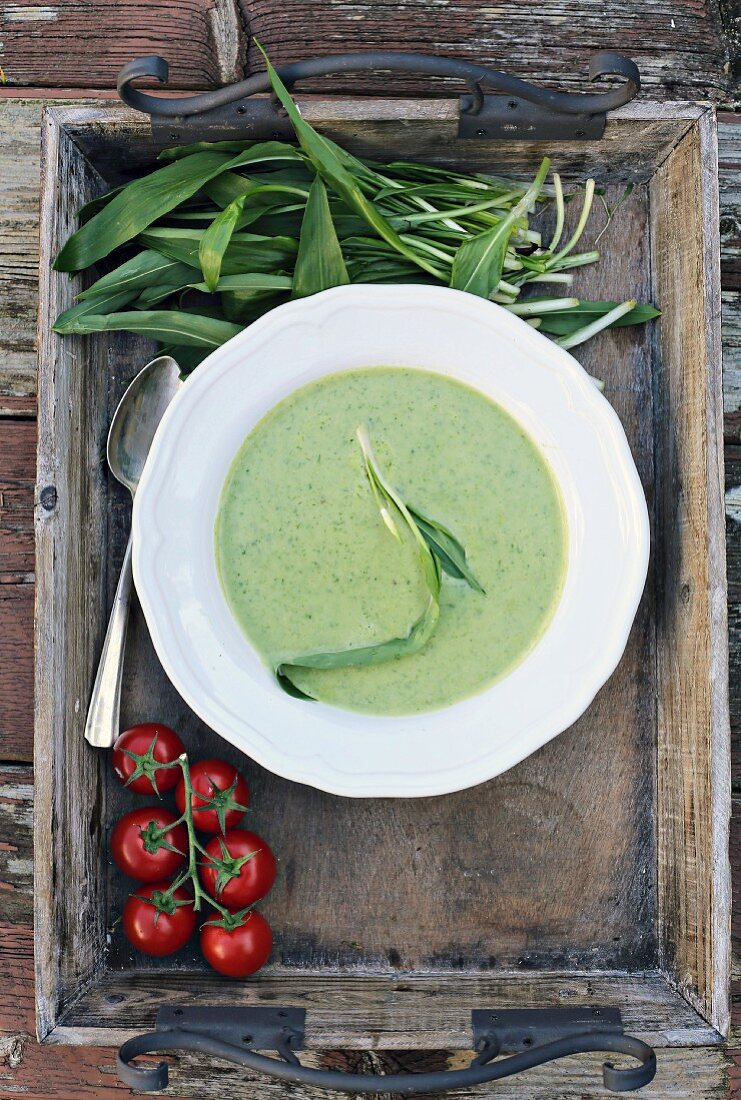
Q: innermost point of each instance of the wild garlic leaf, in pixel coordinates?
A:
(438, 549)
(250, 283)
(245, 251)
(146, 269)
(145, 200)
(242, 309)
(332, 164)
(419, 634)
(215, 241)
(319, 262)
(285, 682)
(136, 207)
(68, 321)
(564, 323)
(587, 331)
(421, 630)
(446, 548)
(230, 185)
(168, 326)
(91, 208)
(479, 261)
(177, 152)
(153, 295)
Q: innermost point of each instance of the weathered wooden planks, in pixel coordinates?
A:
(17, 461)
(25, 1068)
(70, 577)
(729, 178)
(16, 670)
(202, 39)
(72, 1073)
(18, 283)
(694, 902)
(729, 164)
(415, 1012)
(19, 149)
(679, 48)
(16, 844)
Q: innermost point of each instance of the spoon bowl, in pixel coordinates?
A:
(137, 416)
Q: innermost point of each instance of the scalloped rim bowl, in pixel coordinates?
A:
(210, 661)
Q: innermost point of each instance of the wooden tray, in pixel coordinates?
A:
(594, 872)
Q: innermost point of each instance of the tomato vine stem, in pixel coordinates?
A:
(191, 870)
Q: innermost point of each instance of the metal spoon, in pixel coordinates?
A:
(129, 439)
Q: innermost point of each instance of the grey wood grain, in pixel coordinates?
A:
(411, 1011)
(16, 844)
(692, 638)
(729, 178)
(680, 48)
(43, 44)
(70, 557)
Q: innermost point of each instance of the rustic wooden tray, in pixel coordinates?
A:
(594, 872)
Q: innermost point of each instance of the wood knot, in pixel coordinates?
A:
(48, 498)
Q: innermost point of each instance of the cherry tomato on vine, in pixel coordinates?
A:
(220, 796)
(175, 919)
(238, 869)
(139, 750)
(237, 947)
(146, 847)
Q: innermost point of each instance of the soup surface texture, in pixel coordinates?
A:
(307, 564)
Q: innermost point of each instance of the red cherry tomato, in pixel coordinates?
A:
(142, 844)
(240, 951)
(239, 868)
(220, 796)
(153, 744)
(175, 923)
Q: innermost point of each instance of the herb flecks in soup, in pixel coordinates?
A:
(309, 567)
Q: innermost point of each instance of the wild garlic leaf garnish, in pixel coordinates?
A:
(438, 550)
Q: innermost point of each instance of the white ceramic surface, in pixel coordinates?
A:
(203, 650)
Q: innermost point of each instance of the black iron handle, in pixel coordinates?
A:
(605, 63)
(206, 1031)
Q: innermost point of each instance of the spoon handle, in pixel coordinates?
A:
(101, 727)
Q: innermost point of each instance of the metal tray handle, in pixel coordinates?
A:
(236, 1035)
(522, 110)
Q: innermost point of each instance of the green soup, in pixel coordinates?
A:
(307, 564)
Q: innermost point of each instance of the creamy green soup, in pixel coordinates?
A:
(307, 564)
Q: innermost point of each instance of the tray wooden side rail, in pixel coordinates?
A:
(596, 872)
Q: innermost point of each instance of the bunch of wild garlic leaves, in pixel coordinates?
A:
(224, 231)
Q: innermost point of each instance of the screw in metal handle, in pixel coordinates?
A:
(101, 726)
